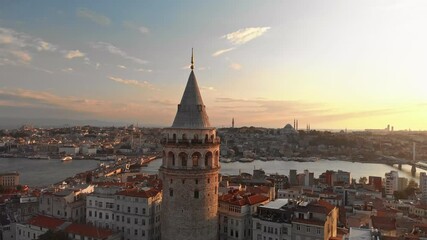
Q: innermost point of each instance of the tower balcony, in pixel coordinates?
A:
(191, 142)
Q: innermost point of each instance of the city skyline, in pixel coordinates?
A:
(332, 65)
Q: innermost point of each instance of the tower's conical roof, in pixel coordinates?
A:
(191, 111)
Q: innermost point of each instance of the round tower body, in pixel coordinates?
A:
(189, 174)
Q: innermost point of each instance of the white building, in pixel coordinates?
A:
(273, 220)
(37, 226)
(137, 213)
(67, 204)
(235, 214)
(391, 183)
(100, 207)
(69, 150)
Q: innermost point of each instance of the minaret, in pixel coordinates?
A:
(232, 123)
(189, 171)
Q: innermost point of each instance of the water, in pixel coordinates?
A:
(45, 172)
(37, 172)
(356, 169)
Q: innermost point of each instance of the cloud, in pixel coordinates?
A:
(93, 16)
(121, 66)
(133, 26)
(38, 104)
(162, 102)
(116, 51)
(132, 82)
(208, 88)
(68, 70)
(143, 29)
(22, 56)
(222, 51)
(15, 40)
(45, 46)
(143, 70)
(235, 66)
(74, 54)
(245, 35)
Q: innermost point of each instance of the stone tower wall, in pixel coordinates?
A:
(190, 193)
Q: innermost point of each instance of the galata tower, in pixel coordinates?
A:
(190, 171)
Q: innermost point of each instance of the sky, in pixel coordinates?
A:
(332, 64)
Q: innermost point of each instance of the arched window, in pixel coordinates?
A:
(195, 158)
(171, 159)
(174, 137)
(206, 138)
(183, 158)
(216, 159)
(208, 159)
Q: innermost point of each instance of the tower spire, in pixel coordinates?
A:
(192, 60)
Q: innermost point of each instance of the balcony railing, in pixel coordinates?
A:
(191, 141)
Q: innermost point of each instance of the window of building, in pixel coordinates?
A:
(196, 193)
(90, 213)
(285, 230)
(143, 211)
(100, 215)
(136, 220)
(258, 226)
(136, 232)
(197, 181)
(128, 220)
(107, 216)
(171, 192)
(136, 210)
(128, 209)
(307, 229)
(298, 227)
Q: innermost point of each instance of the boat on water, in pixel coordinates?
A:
(66, 158)
(225, 160)
(39, 157)
(246, 160)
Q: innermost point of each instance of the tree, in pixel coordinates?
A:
(363, 180)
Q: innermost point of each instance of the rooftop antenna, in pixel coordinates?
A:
(192, 60)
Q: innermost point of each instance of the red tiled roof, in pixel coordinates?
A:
(46, 222)
(88, 231)
(118, 184)
(135, 192)
(240, 199)
(384, 223)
